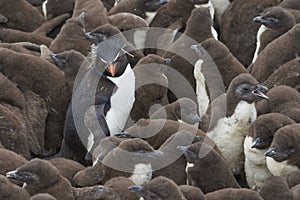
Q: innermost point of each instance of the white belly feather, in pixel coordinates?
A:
(121, 101)
(229, 134)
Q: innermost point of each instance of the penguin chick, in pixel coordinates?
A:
(10, 191)
(132, 158)
(258, 140)
(183, 109)
(41, 176)
(158, 188)
(283, 154)
(215, 173)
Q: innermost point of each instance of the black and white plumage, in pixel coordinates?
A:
(274, 21)
(283, 155)
(259, 138)
(230, 130)
(102, 100)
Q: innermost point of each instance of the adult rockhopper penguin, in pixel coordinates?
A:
(101, 101)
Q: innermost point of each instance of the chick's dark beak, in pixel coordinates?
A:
(271, 152)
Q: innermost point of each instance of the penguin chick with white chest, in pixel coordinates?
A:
(238, 107)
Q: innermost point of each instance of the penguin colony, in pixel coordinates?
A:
(89, 109)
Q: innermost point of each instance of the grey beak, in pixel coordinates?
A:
(54, 57)
(259, 19)
(182, 148)
(260, 94)
(156, 154)
(255, 142)
(88, 35)
(198, 138)
(196, 118)
(11, 174)
(135, 188)
(271, 152)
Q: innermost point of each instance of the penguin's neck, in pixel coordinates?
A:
(121, 100)
(244, 113)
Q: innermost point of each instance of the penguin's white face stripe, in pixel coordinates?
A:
(44, 6)
(116, 57)
(103, 60)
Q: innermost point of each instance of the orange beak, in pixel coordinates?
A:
(111, 69)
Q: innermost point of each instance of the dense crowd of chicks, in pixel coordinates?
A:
(82, 118)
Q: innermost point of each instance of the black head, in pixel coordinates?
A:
(159, 188)
(36, 173)
(275, 18)
(101, 33)
(110, 56)
(245, 87)
(285, 145)
(264, 127)
(72, 59)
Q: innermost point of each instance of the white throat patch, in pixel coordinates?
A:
(232, 130)
(280, 168)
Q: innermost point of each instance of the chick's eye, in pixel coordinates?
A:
(273, 20)
(246, 89)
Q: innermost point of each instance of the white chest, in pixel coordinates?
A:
(280, 168)
(142, 173)
(121, 101)
(229, 134)
(255, 165)
(202, 96)
(254, 155)
(260, 31)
